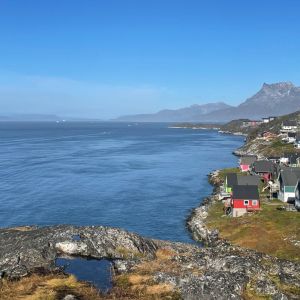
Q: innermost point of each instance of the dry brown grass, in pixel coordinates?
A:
(47, 287)
(165, 254)
(137, 285)
(159, 289)
(140, 283)
(135, 279)
(141, 287)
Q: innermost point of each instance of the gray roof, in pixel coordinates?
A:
(289, 123)
(245, 192)
(289, 176)
(263, 166)
(248, 160)
(248, 180)
(231, 179)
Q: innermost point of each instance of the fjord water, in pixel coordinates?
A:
(141, 177)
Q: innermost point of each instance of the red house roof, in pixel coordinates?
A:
(245, 192)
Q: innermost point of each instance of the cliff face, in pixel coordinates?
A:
(221, 271)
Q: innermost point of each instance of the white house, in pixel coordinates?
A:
(288, 179)
(268, 119)
(288, 126)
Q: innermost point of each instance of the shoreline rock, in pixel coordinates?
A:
(22, 252)
(220, 271)
(196, 220)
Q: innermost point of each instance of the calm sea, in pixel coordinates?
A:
(141, 177)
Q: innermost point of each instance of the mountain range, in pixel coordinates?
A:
(271, 100)
(190, 113)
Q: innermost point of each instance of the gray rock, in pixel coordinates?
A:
(221, 271)
(22, 252)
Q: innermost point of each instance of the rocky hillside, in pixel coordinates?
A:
(219, 271)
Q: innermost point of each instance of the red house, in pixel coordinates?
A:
(244, 198)
(246, 162)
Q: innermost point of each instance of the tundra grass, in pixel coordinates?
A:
(224, 172)
(271, 231)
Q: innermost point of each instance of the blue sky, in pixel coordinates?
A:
(107, 58)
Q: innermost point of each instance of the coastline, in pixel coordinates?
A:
(219, 270)
(196, 220)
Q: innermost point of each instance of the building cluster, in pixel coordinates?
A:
(255, 123)
(290, 133)
(278, 175)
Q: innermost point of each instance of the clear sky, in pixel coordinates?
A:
(106, 58)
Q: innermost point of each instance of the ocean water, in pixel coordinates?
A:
(142, 177)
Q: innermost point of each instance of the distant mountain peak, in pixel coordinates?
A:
(272, 92)
(278, 85)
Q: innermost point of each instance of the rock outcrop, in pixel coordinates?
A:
(23, 250)
(221, 271)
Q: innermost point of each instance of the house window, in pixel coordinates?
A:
(246, 202)
(254, 202)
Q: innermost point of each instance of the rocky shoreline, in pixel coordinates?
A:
(217, 271)
(196, 220)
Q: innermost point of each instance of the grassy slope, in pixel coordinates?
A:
(274, 147)
(270, 231)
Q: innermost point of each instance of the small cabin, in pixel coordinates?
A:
(288, 179)
(264, 168)
(246, 162)
(245, 198)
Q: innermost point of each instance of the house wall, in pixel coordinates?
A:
(289, 127)
(238, 212)
(288, 192)
(239, 203)
(228, 189)
(245, 168)
(265, 176)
